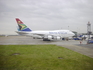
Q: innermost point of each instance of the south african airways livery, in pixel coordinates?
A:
(45, 35)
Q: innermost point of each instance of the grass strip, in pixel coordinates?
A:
(42, 57)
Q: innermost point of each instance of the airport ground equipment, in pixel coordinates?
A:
(90, 41)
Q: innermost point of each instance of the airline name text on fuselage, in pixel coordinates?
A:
(57, 32)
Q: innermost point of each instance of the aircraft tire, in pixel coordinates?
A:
(46, 40)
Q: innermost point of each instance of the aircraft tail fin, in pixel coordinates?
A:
(22, 26)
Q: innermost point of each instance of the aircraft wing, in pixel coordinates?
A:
(40, 34)
(43, 35)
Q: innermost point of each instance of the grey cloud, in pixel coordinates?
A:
(51, 14)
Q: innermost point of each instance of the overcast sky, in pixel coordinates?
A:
(46, 14)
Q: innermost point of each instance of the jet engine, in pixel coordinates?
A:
(57, 37)
(49, 37)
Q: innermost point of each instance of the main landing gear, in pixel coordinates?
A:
(46, 40)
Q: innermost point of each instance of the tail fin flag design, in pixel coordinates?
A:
(22, 26)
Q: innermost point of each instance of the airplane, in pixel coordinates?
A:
(45, 35)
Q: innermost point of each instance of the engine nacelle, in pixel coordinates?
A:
(57, 37)
(49, 37)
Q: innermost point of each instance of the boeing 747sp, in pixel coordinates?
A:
(45, 35)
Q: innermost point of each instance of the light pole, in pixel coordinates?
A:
(88, 31)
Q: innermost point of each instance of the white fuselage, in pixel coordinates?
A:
(55, 34)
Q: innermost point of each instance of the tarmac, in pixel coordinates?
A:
(83, 48)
